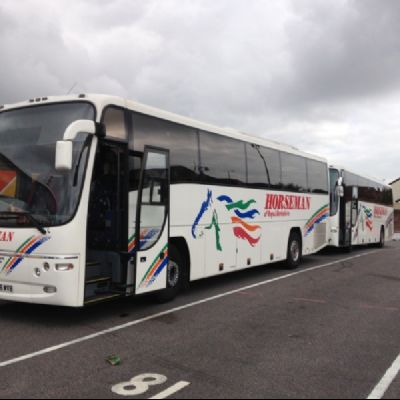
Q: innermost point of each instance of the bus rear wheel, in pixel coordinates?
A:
(175, 277)
(294, 253)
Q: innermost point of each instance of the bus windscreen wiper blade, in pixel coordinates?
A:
(35, 222)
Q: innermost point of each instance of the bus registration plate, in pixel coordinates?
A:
(6, 288)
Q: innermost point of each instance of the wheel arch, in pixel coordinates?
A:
(181, 245)
(297, 230)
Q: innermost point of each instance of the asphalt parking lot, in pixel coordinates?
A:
(328, 330)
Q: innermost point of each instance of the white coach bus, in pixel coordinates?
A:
(361, 210)
(102, 197)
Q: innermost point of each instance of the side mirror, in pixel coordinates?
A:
(64, 155)
(340, 191)
(64, 148)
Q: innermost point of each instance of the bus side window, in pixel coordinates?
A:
(223, 160)
(158, 194)
(317, 177)
(154, 201)
(182, 142)
(294, 173)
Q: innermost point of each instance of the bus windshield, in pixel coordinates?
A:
(32, 192)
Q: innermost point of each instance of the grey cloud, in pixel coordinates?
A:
(344, 52)
(300, 71)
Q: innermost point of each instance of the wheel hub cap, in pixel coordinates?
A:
(295, 251)
(173, 274)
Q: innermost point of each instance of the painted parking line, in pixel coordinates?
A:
(382, 387)
(171, 311)
(171, 391)
(141, 384)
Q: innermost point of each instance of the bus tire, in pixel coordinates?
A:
(175, 277)
(381, 243)
(294, 253)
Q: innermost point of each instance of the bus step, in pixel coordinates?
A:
(98, 279)
(92, 263)
(118, 290)
(99, 299)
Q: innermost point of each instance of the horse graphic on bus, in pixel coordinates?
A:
(242, 218)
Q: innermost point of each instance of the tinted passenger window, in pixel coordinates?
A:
(257, 167)
(294, 173)
(273, 160)
(388, 197)
(181, 141)
(370, 191)
(317, 177)
(223, 160)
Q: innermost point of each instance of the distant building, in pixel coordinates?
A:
(396, 197)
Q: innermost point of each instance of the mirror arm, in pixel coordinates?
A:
(79, 126)
(64, 148)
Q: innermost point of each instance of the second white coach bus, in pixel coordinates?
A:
(361, 210)
(101, 197)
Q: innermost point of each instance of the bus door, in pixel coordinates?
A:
(350, 220)
(150, 242)
(106, 266)
(106, 228)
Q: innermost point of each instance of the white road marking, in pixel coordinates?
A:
(384, 384)
(171, 311)
(138, 385)
(170, 391)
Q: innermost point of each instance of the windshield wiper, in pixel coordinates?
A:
(35, 222)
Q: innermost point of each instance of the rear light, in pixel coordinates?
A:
(64, 267)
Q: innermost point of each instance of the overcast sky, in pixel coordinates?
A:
(323, 75)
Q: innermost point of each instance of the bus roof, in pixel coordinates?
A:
(102, 101)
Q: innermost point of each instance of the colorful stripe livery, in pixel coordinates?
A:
(215, 224)
(204, 208)
(155, 269)
(240, 208)
(320, 216)
(245, 229)
(244, 214)
(28, 247)
(146, 235)
(370, 218)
